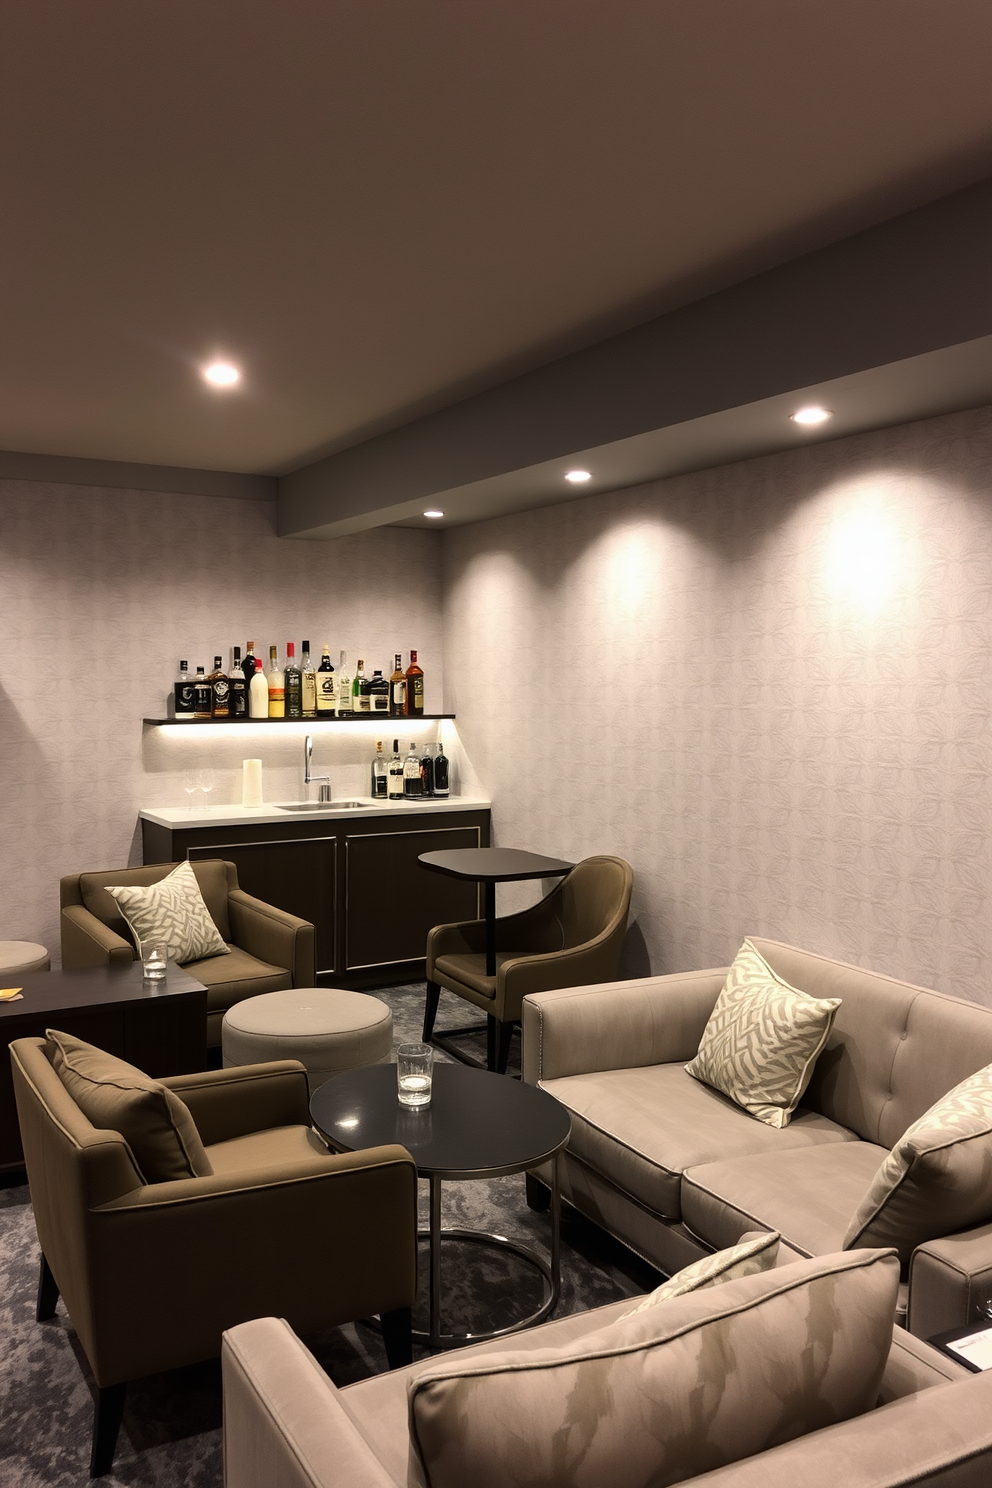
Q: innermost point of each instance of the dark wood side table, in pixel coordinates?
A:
(160, 1027)
(478, 1125)
(490, 866)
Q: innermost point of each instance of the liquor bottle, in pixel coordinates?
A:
(276, 685)
(202, 695)
(220, 690)
(412, 789)
(414, 688)
(293, 684)
(380, 774)
(359, 689)
(239, 687)
(394, 788)
(397, 689)
(185, 697)
(251, 664)
(426, 772)
(378, 693)
(258, 692)
(309, 684)
(345, 699)
(326, 691)
(441, 773)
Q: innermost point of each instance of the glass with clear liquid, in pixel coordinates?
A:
(414, 1071)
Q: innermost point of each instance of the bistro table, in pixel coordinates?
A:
(490, 866)
(478, 1125)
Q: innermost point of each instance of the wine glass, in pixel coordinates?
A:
(190, 786)
(205, 780)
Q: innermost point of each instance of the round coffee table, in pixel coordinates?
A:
(478, 1125)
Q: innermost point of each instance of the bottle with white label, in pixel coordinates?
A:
(327, 695)
(394, 785)
(277, 686)
(412, 785)
(344, 687)
(308, 683)
(185, 697)
(380, 774)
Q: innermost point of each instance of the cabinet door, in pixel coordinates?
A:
(296, 874)
(392, 900)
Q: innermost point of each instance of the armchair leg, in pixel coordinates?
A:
(538, 1194)
(501, 1051)
(397, 1335)
(106, 1425)
(48, 1292)
(430, 1009)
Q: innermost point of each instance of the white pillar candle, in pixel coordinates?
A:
(251, 786)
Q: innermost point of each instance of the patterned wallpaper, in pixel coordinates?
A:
(766, 685)
(101, 593)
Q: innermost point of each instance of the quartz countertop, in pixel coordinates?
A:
(240, 816)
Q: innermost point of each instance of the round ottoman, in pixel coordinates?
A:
(18, 957)
(327, 1030)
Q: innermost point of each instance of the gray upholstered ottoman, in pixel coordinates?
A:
(326, 1029)
(18, 957)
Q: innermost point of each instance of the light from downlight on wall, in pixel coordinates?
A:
(866, 560)
(809, 417)
(221, 374)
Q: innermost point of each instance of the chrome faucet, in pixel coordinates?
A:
(324, 781)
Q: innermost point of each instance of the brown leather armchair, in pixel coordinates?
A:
(152, 1273)
(572, 936)
(270, 949)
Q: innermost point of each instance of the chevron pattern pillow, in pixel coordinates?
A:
(935, 1181)
(762, 1040)
(173, 913)
(748, 1258)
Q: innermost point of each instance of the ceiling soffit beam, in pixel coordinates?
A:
(913, 285)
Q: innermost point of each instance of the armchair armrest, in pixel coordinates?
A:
(232, 1102)
(87, 941)
(284, 1421)
(949, 1279)
(617, 1025)
(273, 935)
(464, 938)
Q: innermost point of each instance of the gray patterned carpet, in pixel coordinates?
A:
(171, 1432)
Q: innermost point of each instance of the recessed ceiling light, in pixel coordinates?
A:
(221, 374)
(811, 415)
(577, 476)
(433, 513)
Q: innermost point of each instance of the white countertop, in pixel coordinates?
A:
(241, 816)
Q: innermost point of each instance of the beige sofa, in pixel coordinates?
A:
(676, 1170)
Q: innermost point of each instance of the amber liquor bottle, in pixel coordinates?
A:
(220, 691)
(397, 689)
(414, 688)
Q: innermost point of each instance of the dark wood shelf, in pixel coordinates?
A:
(383, 718)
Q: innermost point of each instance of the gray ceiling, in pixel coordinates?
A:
(383, 209)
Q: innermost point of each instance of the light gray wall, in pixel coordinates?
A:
(102, 591)
(767, 685)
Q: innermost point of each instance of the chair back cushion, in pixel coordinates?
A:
(664, 1395)
(172, 912)
(595, 897)
(114, 1096)
(215, 878)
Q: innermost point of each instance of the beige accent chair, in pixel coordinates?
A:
(270, 949)
(570, 938)
(153, 1273)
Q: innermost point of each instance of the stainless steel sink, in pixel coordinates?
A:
(323, 806)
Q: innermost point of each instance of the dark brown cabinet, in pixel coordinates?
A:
(358, 880)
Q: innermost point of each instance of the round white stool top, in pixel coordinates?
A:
(306, 1011)
(18, 956)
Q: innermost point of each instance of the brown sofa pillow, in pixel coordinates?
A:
(115, 1096)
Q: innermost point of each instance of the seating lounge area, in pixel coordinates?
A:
(536, 1026)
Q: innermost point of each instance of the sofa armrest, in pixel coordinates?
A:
(246, 1098)
(285, 1425)
(87, 941)
(617, 1025)
(949, 1279)
(273, 935)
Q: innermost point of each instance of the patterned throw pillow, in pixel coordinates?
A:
(667, 1394)
(762, 1040)
(748, 1258)
(172, 911)
(935, 1180)
(114, 1096)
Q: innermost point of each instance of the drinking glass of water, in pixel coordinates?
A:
(414, 1064)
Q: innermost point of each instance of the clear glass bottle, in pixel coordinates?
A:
(277, 686)
(380, 774)
(378, 693)
(185, 696)
(412, 788)
(394, 788)
(220, 690)
(238, 698)
(293, 684)
(308, 684)
(202, 695)
(414, 688)
(326, 689)
(442, 774)
(397, 689)
(345, 699)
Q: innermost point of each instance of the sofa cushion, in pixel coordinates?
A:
(114, 1096)
(642, 1128)
(806, 1195)
(663, 1395)
(937, 1178)
(171, 911)
(754, 1254)
(762, 1039)
(237, 976)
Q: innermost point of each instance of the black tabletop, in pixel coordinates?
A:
(495, 864)
(93, 986)
(477, 1124)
